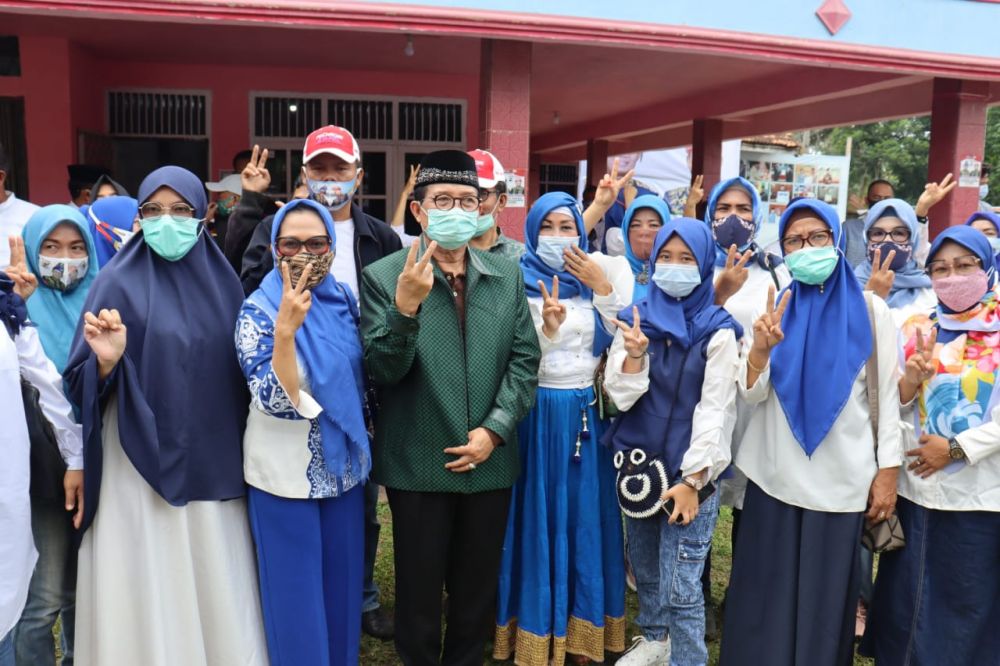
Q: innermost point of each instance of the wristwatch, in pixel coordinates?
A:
(693, 481)
(955, 450)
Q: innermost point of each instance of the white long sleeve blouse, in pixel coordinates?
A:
(568, 360)
(839, 474)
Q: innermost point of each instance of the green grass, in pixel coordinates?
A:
(379, 653)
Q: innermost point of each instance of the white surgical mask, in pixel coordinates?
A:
(62, 273)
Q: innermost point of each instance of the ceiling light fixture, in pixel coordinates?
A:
(293, 108)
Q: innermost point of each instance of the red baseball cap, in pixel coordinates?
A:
(488, 168)
(333, 140)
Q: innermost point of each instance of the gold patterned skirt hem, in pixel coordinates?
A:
(582, 638)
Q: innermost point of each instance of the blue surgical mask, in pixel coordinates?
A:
(170, 237)
(995, 244)
(486, 222)
(451, 228)
(550, 250)
(333, 194)
(677, 280)
(984, 189)
(812, 265)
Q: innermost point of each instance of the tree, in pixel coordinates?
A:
(895, 150)
(991, 154)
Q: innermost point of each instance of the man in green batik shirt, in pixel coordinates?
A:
(451, 346)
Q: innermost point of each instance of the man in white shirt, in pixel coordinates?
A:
(14, 212)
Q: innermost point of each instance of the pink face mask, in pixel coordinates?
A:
(961, 292)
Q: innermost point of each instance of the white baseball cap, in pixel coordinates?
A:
(230, 183)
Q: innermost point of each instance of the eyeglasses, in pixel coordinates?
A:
(289, 247)
(815, 239)
(960, 266)
(898, 235)
(153, 209)
(445, 202)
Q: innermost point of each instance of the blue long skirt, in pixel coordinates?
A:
(562, 576)
(937, 599)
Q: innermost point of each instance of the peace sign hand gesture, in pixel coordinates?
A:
(411, 182)
(255, 176)
(767, 331)
(636, 342)
(732, 278)
(295, 302)
(25, 281)
(553, 312)
(882, 276)
(610, 186)
(416, 280)
(920, 365)
(933, 194)
(695, 196)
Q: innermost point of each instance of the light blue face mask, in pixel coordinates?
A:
(812, 265)
(486, 222)
(333, 194)
(995, 244)
(984, 190)
(170, 237)
(451, 228)
(550, 250)
(677, 280)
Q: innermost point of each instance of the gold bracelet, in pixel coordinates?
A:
(753, 367)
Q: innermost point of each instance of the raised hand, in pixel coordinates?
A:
(610, 186)
(933, 193)
(920, 365)
(732, 278)
(24, 280)
(695, 196)
(106, 335)
(255, 176)
(295, 301)
(882, 276)
(553, 312)
(416, 280)
(411, 182)
(586, 270)
(636, 342)
(767, 331)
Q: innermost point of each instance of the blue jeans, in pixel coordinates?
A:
(52, 590)
(7, 649)
(667, 561)
(369, 590)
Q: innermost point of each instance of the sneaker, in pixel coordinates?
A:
(646, 653)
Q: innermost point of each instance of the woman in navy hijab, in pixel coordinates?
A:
(672, 367)
(166, 566)
(809, 453)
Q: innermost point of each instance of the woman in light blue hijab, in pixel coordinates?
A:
(60, 252)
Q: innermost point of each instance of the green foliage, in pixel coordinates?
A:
(992, 153)
(897, 150)
(894, 150)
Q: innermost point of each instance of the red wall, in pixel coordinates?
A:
(58, 75)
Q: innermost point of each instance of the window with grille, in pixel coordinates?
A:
(286, 116)
(558, 178)
(403, 120)
(422, 121)
(163, 114)
(369, 120)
